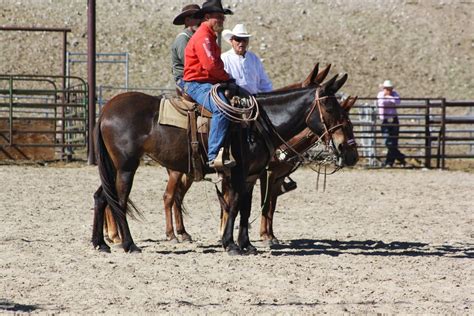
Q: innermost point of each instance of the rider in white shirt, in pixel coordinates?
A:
(247, 70)
(243, 65)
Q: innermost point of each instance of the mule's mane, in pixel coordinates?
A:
(282, 96)
(283, 92)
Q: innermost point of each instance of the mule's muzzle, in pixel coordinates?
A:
(347, 155)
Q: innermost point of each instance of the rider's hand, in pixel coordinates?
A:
(230, 88)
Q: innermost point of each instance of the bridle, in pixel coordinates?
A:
(327, 135)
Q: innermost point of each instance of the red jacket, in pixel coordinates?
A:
(202, 58)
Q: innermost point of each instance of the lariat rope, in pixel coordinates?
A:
(236, 114)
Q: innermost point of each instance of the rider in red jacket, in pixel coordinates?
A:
(203, 61)
(203, 67)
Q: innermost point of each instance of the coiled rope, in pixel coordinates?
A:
(236, 114)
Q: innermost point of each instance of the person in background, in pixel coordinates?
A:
(203, 67)
(243, 65)
(387, 101)
(186, 18)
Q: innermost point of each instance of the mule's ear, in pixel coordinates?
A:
(339, 83)
(322, 75)
(345, 103)
(327, 86)
(310, 78)
(350, 104)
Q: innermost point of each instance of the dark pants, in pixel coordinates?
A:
(390, 131)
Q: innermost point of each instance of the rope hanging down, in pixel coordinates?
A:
(236, 114)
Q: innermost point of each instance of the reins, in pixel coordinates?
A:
(327, 132)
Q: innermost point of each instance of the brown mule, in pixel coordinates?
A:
(179, 183)
(313, 107)
(272, 181)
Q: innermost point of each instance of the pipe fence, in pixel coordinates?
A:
(41, 120)
(431, 130)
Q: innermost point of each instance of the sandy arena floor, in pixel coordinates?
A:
(380, 241)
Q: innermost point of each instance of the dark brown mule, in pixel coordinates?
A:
(284, 114)
(336, 131)
(127, 129)
(179, 183)
(271, 182)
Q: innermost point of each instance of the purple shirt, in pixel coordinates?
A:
(387, 104)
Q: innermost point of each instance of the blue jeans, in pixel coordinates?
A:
(180, 83)
(201, 93)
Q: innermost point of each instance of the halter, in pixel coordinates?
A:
(327, 131)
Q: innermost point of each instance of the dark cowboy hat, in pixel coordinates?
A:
(211, 6)
(188, 10)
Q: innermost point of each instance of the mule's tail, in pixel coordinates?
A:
(108, 173)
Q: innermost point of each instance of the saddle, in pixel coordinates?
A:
(184, 112)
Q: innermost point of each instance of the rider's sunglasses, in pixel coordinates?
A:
(240, 39)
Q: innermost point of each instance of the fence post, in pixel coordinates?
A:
(10, 113)
(427, 135)
(91, 78)
(443, 134)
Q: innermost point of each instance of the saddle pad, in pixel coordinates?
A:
(169, 115)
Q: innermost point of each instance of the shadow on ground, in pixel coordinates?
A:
(6, 305)
(304, 247)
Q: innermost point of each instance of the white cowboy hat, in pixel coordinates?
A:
(387, 84)
(239, 30)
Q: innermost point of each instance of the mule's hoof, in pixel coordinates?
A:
(134, 249)
(172, 240)
(250, 250)
(103, 248)
(233, 250)
(185, 238)
(275, 241)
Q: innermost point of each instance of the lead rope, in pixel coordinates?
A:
(266, 196)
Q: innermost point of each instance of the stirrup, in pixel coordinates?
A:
(220, 163)
(288, 186)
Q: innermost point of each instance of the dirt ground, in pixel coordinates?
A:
(377, 241)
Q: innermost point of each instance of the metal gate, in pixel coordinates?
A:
(39, 120)
(432, 130)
